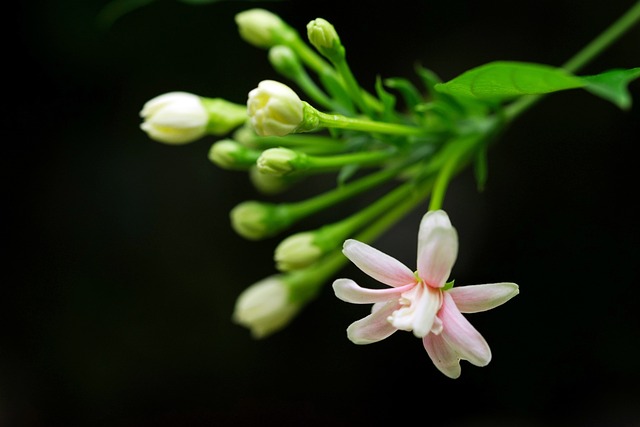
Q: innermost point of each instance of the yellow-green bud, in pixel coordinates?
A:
(228, 154)
(277, 161)
(175, 118)
(255, 220)
(323, 36)
(285, 61)
(297, 251)
(251, 220)
(262, 28)
(274, 108)
(265, 307)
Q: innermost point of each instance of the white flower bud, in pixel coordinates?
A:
(260, 27)
(250, 219)
(285, 61)
(297, 251)
(265, 307)
(227, 153)
(175, 118)
(274, 108)
(277, 161)
(323, 36)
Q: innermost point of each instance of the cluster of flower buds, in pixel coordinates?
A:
(410, 140)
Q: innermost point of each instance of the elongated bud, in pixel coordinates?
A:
(266, 307)
(285, 61)
(324, 38)
(255, 220)
(274, 109)
(278, 161)
(297, 251)
(262, 28)
(175, 118)
(229, 154)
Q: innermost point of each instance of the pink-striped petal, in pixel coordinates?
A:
(437, 248)
(475, 298)
(377, 264)
(463, 338)
(373, 328)
(349, 291)
(442, 355)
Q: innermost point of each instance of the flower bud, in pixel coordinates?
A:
(228, 154)
(297, 251)
(277, 161)
(323, 36)
(285, 61)
(274, 108)
(250, 220)
(255, 220)
(265, 307)
(262, 28)
(175, 118)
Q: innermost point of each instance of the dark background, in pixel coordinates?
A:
(121, 269)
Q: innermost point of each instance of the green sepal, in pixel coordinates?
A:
(448, 285)
(409, 92)
(388, 101)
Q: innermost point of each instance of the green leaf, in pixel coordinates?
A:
(612, 85)
(503, 80)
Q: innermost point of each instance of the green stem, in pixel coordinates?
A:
(381, 225)
(343, 122)
(402, 195)
(584, 56)
(604, 40)
(309, 56)
(353, 88)
(299, 210)
(458, 152)
(332, 163)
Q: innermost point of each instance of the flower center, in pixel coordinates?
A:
(420, 305)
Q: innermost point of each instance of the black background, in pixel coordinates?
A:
(121, 269)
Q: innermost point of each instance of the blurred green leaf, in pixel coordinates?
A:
(612, 85)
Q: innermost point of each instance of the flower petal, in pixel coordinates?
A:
(349, 291)
(375, 327)
(463, 338)
(418, 310)
(442, 355)
(377, 264)
(437, 248)
(475, 298)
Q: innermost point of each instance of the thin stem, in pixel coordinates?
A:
(299, 210)
(343, 122)
(332, 163)
(604, 40)
(399, 196)
(584, 56)
(458, 151)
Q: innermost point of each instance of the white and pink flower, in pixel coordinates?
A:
(423, 302)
